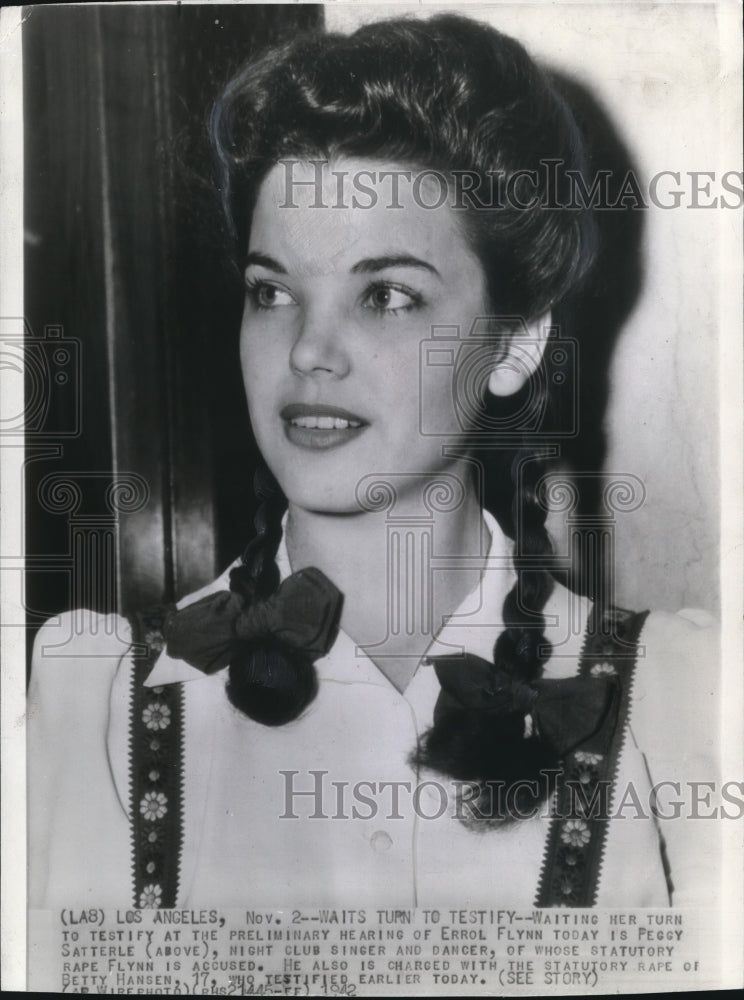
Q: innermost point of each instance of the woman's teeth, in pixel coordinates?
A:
(324, 423)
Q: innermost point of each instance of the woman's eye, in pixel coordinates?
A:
(264, 295)
(390, 298)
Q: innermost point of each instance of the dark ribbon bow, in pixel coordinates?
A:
(566, 712)
(303, 613)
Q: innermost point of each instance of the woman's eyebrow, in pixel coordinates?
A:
(264, 260)
(372, 264)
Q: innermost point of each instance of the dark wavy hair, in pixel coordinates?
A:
(452, 94)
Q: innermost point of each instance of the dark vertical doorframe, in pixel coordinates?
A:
(126, 261)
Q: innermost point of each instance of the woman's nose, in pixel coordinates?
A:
(319, 348)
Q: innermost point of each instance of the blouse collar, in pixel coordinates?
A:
(470, 627)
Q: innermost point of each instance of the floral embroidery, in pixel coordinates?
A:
(571, 857)
(153, 775)
(156, 715)
(151, 897)
(155, 640)
(153, 749)
(152, 867)
(155, 770)
(576, 833)
(603, 670)
(152, 839)
(585, 774)
(566, 886)
(154, 806)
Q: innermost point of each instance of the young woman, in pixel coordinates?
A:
(389, 699)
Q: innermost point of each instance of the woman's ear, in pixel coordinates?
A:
(521, 357)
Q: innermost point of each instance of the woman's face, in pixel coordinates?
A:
(340, 303)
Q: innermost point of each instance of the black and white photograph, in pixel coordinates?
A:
(372, 485)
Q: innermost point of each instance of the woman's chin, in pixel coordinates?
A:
(321, 498)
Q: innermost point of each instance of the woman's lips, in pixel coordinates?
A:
(315, 425)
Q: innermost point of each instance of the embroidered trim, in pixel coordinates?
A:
(576, 839)
(155, 772)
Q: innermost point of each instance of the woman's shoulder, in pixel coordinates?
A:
(676, 689)
(675, 723)
(81, 635)
(680, 652)
(77, 658)
(84, 638)
(666, 627)
(74, 652)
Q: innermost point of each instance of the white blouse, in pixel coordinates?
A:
(327, 809)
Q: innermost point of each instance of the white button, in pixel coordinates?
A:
(380, 841)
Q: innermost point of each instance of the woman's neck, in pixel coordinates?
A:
(394, 598)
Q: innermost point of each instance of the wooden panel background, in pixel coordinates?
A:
(126, 261)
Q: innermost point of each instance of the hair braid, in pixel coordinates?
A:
(267, 680)
(521, 648)
(511, 768)
(260, 554)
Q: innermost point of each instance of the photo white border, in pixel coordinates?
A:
(12, 614)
